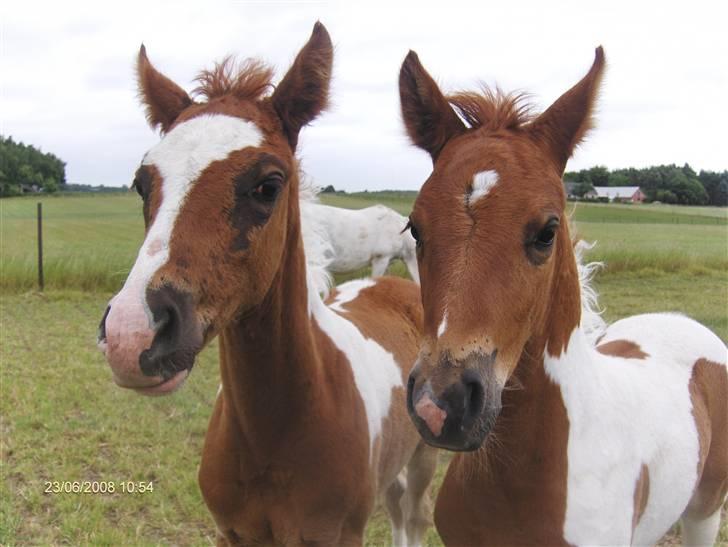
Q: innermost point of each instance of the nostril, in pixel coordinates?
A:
(410, 395)
(475, 400)
(166, 324)
(102, 325)
(162, 318)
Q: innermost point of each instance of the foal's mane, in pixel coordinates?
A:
(248, 79)
(492, 109)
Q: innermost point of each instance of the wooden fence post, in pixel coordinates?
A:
(40, 246)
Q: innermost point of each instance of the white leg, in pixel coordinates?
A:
(411, 262)
(392, 501)
(379, 265)
(416, 503)
(700, 532)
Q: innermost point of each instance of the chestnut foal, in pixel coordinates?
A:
(310, 424)
(604, 444)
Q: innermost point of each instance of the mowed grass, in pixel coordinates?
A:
(62, 419)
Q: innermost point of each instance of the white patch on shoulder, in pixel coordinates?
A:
(482, 184)
(349, 291)
(375, 370)
(624, 413)
(443, 325)
(180, 157)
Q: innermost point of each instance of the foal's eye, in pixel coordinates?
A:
(413, 231)
(539, 240)
(269, 189)
(138, 188)
(142, 183)
(545, 237)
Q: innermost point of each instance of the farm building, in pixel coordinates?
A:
(576, 190)
(620, 193)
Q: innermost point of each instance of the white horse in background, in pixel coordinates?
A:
(359, 237)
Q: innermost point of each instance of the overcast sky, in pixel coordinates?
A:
(68, 85)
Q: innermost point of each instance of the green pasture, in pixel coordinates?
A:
(90, 242)
(62, 419)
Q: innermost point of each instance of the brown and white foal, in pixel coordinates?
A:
(310, 424)
(604, 444)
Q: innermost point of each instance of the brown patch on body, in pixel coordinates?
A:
(641, 495)
(709, 395)
(622, 348)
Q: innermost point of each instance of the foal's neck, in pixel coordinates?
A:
(533, 425)
(268, 364)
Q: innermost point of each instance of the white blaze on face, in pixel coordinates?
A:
(180, 158)
(482, 184)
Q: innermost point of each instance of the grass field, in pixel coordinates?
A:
(62, 419)
(90, 242)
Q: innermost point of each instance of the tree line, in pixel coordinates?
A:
(24, 168)
(664, 183)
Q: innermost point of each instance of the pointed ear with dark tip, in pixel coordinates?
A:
(565, 123)
(428, 117)
(303, 93)
(163, 99)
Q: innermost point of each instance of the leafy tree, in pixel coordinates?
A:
(599, 176)
(25, 168)
(619, 179)
(721, 194)
(715, 185)
(665, 196)
(688, 190)
(582, 188)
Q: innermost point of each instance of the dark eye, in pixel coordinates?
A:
(545, 237)
(269, 189)
(413, 231)
(142, 183)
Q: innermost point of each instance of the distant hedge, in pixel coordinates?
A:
(24, 168)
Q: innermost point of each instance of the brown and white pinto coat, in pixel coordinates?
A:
(310, 424)
(573, 443)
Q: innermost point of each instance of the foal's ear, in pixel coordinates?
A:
(164, 100)
(428, 117)
(303, 93)
(565, 123)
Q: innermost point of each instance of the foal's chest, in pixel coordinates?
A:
(279, 508)
(303, 494)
